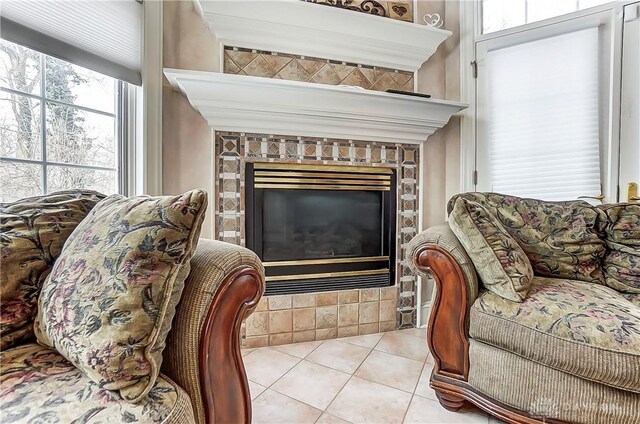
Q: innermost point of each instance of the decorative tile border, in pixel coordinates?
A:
(322, 71)
(233, 150)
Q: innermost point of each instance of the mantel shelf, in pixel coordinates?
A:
(263, 105)
(315, 30)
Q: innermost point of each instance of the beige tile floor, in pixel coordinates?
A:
(377, 378)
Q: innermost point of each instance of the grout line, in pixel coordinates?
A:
(287, 372)
(411, 335)
(420, 376)
(295, 400)
(363, 361)
(337, 394)
(386, 385)
(350, 378)
(392, 354)
(378, 342)
(315, 348)
(404, 417)
(244, 356)
(324, 366)
(312, 350)
(344, 339)
(296, 364)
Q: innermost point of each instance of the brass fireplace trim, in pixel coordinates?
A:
(326, 275)
(321, 177)
(323, 187)
(326, 261)
(319, 181)
(323, 168)
(341, 175)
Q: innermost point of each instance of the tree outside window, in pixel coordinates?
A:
(58, 126)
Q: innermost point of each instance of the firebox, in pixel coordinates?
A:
(321, 227)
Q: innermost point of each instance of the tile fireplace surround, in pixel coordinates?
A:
(318, 316)
(305, 84)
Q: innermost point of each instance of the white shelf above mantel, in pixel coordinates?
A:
(315, 30)
(262, 105)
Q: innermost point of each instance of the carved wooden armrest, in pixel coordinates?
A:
(438, 252)
(203, 350)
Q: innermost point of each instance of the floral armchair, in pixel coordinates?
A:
(536, 315)
(202, 378)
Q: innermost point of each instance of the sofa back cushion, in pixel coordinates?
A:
(108, 303)
(622, 237)
(501, 263)
(32, 232)
(561, 239)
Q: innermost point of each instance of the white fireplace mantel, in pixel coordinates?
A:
(262, 105)
(315, 30)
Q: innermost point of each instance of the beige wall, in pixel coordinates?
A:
(187, 142)
(187, 146)
(440, 77)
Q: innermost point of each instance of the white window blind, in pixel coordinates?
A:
(103, 35)
(542, 117)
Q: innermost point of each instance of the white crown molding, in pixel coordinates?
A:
(262, 105)
(315, 30)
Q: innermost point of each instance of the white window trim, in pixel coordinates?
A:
(145, 111)
(470, 25)
(469, 29)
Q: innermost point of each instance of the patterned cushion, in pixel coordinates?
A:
(32, 232)
(561, 239)
(584, 329)
(39, 386)
(622, 236)
(632, 297)
(500, 262)
(108, 303)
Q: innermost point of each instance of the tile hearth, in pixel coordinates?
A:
(379, 378)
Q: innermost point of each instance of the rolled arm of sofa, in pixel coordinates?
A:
(437, 252)
(203, 349)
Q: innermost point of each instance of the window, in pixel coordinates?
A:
(60, 126)
(502, 14)
(542, 134)
(547, 107)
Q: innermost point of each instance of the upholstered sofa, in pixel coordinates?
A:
(566, 346)
(202, 378)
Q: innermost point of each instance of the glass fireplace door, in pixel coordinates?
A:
(321, 227)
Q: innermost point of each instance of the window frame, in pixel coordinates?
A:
(605, 22)
(470, 35)
(526, 15)
(121, 133)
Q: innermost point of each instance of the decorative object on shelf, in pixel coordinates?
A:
(408, 93)
(400, 10)
(433, 20)
(367, 6)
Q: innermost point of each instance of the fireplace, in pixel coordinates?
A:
(319, 228)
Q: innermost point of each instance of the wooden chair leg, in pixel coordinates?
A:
(450, 402)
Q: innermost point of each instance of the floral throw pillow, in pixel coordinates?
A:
(32, 232)
(108, 303)
(561, 239)
(501, 263)
(622, 236)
